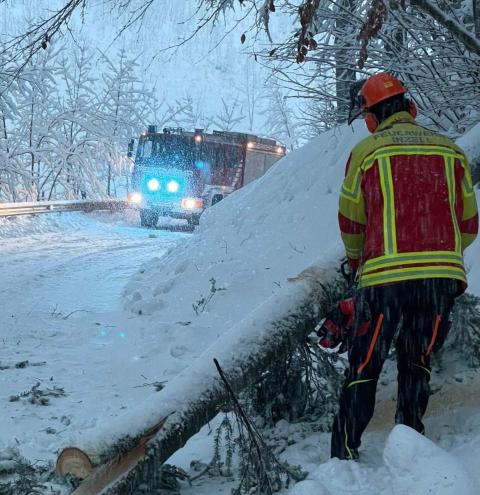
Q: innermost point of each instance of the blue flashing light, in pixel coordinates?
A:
(205, 167)
(102, 333)
(122, 334)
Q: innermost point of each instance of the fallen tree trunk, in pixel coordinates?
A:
(121, 462)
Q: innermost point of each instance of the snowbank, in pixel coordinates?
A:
(470, 143)
(410, 464)
(61, 222)
(28, 225)
(419, 466)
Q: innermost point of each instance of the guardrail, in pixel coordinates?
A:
(13, 209)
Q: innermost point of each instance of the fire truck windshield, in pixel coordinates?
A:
(168, 151)
(181, 152)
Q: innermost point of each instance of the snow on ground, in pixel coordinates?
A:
(402, 462)
(61, 280)
(189, 291)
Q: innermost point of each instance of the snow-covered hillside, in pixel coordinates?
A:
(251, 242)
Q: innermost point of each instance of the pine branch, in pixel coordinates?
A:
(266, 466)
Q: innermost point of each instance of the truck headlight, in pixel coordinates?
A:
(135, 198)
(173, 186)
(191, 204)
(153, 185)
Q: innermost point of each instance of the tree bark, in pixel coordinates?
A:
(196, 396)
(476, 17)
(344, 60)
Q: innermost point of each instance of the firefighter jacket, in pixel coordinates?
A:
(407, 205)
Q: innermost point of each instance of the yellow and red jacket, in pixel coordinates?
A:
(407, 205)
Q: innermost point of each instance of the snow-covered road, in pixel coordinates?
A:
(61, 282)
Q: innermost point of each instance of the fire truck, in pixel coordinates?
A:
(179, 174)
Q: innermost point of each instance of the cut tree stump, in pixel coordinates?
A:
(77, 463)
(73, 461)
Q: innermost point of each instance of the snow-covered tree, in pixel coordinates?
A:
(8, 168)
(63, 133)
(344, 56)
(27, 142)
(429, 56)
(185, 112)
(476, 17)
(230, 115)
(74, 129)
(283, 123)
(252, 93)
(123, 108)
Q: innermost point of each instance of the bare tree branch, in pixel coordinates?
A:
(455, 28)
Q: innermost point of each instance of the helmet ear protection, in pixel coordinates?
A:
(412, 108)
(371, 120)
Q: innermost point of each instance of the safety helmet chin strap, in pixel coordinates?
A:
(412, 109)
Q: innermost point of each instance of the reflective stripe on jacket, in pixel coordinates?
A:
(407, 205)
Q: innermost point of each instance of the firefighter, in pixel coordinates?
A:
(407, 212)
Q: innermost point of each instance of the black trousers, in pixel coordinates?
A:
(419, 310)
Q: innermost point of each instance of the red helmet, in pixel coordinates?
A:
(380, 87)
(367, 93)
